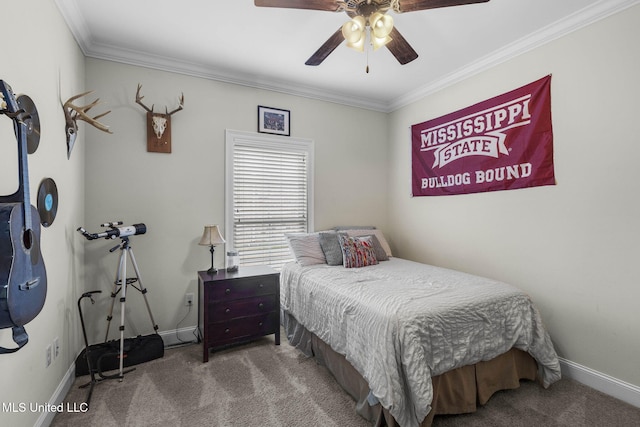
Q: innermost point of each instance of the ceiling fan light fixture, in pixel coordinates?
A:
(354, 33)
(370, 20)
(381, 24)
(358, 45)
(379, 42)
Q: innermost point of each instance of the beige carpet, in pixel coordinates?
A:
(263, 385)
(257, 384)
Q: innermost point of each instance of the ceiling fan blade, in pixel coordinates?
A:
(400, 48)
(413, 5)
(328, 47)
(330, 5)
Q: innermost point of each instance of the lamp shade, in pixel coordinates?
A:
(378, 42)
(211, 236)
(381, 27)
(381, 24)
(354, 33)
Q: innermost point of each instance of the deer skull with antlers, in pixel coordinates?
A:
(158, 125)
(73, 113)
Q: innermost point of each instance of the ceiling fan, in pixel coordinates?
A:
(368, 17)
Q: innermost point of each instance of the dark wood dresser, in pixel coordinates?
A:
(240, 306)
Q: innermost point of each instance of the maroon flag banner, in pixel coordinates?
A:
(503, 143)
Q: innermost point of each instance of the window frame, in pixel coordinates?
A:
(268, 141)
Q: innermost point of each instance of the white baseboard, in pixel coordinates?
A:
(170, 338)
(606, 384)
(179, 336)
(46, 417)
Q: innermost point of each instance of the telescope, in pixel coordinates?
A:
(114, 231)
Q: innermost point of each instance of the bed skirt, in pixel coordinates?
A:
(458, 391)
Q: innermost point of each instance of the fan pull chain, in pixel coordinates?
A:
(367, 53)
(367, 69)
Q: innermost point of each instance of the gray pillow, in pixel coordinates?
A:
(331, 247)
(381, 254)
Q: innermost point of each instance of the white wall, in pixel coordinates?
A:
(40, 58)
(176, 194)
(573, 247)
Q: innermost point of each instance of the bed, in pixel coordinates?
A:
(408, 340)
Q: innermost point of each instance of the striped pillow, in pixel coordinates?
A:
(306, 248)
(357, 251)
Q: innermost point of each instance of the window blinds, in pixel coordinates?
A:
(270, 193)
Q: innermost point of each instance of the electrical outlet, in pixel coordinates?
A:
(188, 299)
(56, 348)
(48, 355)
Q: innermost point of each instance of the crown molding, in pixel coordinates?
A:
(76, 23)
(143, 59)
(574, 22)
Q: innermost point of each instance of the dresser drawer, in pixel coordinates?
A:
(232, 330)
(238, 306)
(226, 310)
(248, 287)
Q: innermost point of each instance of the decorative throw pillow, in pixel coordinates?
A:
(381, 254)
(377, 233)
(331, 247)
(357, 251)
(306, 248)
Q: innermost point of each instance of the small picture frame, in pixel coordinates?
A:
(273, 120)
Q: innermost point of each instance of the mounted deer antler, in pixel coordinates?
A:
(158, 123)
(73, 112)
(139, 100)
(180, 105)
(150, 110)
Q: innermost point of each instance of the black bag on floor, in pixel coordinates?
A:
(106, 356)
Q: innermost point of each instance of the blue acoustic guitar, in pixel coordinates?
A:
(23, 278)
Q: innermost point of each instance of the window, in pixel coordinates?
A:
(269, 192)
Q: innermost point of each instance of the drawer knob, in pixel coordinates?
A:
(227, 291)
(261, 305)
(226, 331)
(260, 324)
(227, 310)
(261, 285)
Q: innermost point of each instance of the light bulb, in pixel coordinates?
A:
(381, 25)
(353, 32)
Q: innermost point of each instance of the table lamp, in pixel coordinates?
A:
(211, 237)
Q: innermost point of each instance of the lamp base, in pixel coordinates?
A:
(212, 270)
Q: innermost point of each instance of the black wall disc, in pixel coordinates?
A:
(47, 201)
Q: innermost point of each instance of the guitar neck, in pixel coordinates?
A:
(21, 134)
(20, 127)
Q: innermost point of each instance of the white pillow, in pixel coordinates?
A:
(377, 233)
(306, 248)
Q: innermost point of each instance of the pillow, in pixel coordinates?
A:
(330, 245)
(381, 254)
(377, 233)
(306, 248)
(357, 251)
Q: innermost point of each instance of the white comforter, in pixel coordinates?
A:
(400, 322)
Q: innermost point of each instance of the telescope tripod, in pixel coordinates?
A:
(120, 285)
